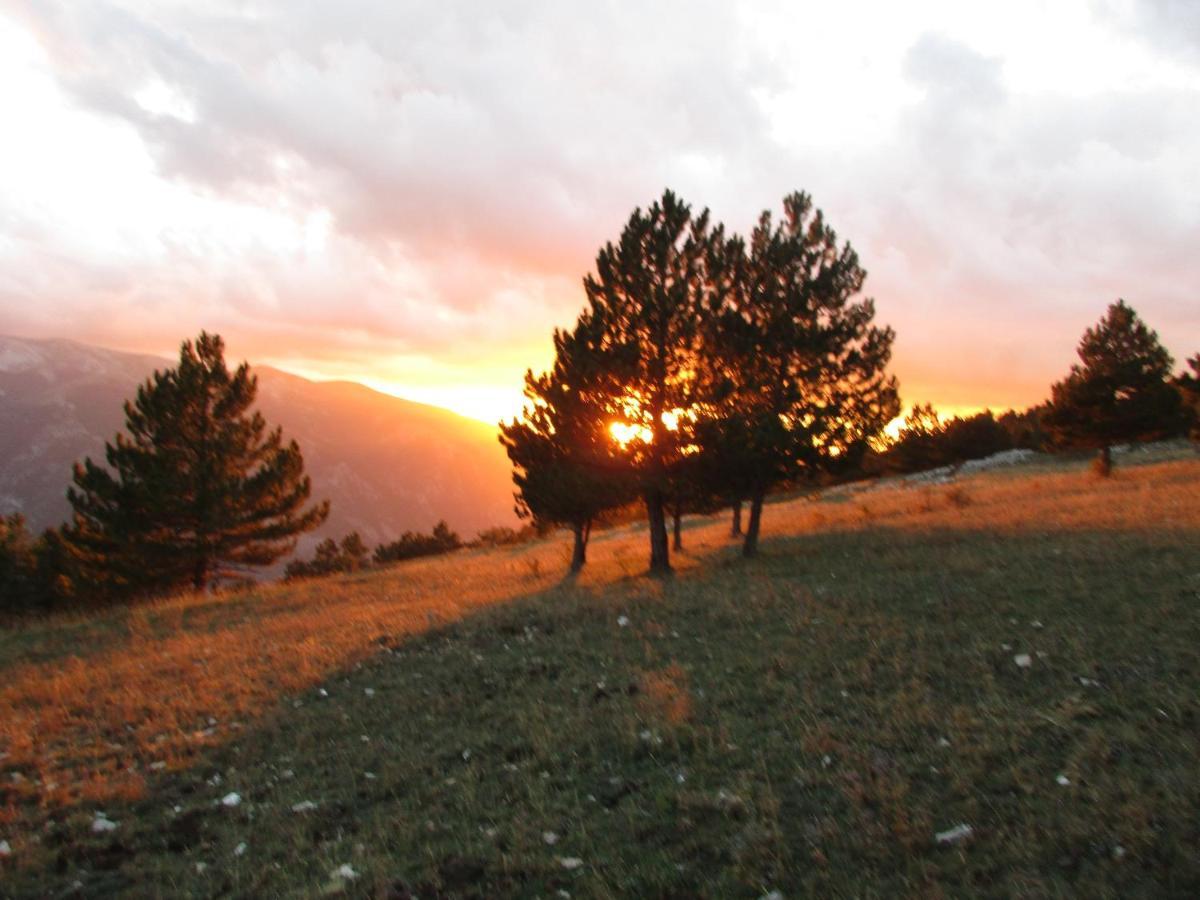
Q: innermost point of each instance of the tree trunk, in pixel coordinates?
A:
(579, 554)
(200, 574)
(736, 530)
(1103, 464)
(750, 546)
(660, 554)
(677, 516)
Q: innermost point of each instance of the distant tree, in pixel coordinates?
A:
(1188, 385)
(1025, 429)
(800, 367)
(567, 467)
(18, 566)
(1119, 390)
(648, 297)
(926, 442)
(974, 437)
(412, 544)
(917, 445)
(199, 489)
(330, 557)
(503, 536)
(354, 551)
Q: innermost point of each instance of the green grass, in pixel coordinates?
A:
(806, 723)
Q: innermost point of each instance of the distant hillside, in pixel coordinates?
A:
(388, 465)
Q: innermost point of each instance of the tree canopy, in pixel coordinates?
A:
(567, 468)
(197, 489)
(1118, 391)
(647, 298)
(800, 367)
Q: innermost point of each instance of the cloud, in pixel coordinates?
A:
(417, 189)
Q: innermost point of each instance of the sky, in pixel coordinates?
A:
(410, 194)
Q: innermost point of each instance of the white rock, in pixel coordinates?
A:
(321, 692)
(102, 824)
(5, 849)
(231, 799)
(570, 862)
(955, 834)
(303, 806)
(550, 838)
(466, 755)
(1023, 660)
(344, 872)
(1036, 624)
(370, 692)
(623, 621)
(157, 766)
(1118, 852)
(200, 867)
(773, 895)
(240, 849)
(1063, 780)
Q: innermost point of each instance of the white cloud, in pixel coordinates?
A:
(411, 193)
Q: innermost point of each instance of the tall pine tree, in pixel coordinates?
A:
(798, 378)
(649, 294)
(1118, 391)
(197, 490)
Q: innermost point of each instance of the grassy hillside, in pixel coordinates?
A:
(1017, 652)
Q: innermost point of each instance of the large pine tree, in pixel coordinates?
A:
(198, 489)
(649, 293)
(797, 366)
(566, 466)
(1118, 392)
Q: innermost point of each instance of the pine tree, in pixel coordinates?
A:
(18, 566)
(798, 367)
(197, 490)
(649, 295)
(1119, 390)
(1188, 385)
(567, 468)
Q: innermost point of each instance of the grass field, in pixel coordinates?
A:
(1017, 652)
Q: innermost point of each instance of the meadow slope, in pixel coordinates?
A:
(1017, 652)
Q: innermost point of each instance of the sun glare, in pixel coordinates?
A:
(624, 433)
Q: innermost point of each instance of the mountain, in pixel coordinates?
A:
(388, 465)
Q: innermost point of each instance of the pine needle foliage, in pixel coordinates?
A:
(196, 490)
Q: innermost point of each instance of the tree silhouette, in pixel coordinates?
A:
(648, 297)
(1119, 390)
(798, 368)
(198, 490)
(18, 565)
(330, 557)
(410, 545)
(1188, 384)
(567, 468)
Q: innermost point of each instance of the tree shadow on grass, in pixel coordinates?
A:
(479, 757)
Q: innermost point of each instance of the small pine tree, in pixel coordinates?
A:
(198, 490)
(18, 566)
(566, 466)
(1188, 385)
(1118, 392)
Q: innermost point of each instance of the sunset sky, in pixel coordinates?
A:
(409, 194)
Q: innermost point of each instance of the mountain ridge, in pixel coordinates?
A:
(387, 464)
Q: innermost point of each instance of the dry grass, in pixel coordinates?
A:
(150, 688)
(92, 708)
